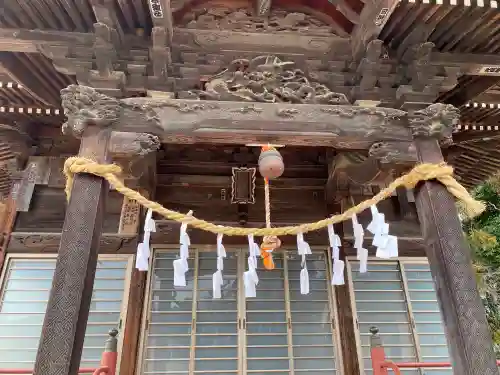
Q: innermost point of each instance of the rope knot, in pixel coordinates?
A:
(75, 165)
(426, 172)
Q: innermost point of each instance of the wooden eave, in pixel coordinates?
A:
(465, 34)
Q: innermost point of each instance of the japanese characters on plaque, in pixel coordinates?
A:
(156, 9)
(493, 70)
(381, 16)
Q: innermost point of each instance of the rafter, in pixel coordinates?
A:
(372, 20)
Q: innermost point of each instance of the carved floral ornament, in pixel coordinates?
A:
(267, 79)
(242, 19)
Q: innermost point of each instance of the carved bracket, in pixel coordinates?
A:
(437, 120)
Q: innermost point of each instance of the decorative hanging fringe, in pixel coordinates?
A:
(386, 244)
(303, 249)
(422, 172)
(181, 265)
(217, 279)
(338, 265)
(250, 277)
(143, 248)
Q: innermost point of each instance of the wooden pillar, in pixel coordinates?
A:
(65, 322)
(469, 338)
(7, 220)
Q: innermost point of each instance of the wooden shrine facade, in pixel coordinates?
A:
(181, 94)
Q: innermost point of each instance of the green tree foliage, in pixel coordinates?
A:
(483, 233)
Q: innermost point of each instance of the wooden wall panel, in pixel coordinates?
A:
(48, 209)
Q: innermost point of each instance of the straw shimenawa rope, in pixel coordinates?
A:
(422, 172)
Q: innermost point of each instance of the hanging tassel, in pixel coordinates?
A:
(143, 248)
(303, 249)
(387, 245)
(362, 253)
(181, 264)
(335, 242)
(250, 277)
(217, 284)
(217, 279)
(304, 277)
(338, 272)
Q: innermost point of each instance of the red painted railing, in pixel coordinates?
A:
(381, 365)
(109, 358)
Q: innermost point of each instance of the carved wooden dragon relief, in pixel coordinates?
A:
(267, 79)
(243, 19)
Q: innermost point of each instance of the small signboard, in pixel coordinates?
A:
(156, 9)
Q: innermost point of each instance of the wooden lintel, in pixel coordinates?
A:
(224, 182)
(294, 43)
(32, 242)
(24, 40)
(191, 121)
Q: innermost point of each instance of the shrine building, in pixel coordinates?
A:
(252, 115)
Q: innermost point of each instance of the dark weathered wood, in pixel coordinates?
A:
(132, 332)
(189, 121)
(7, 219)
(48, 207)
(346, 318)
(468, 336)
(373, 18)
(34, 173)
(48, 242)
(65, 321)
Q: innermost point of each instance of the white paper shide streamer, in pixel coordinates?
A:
(143, 248)
(181, 264)
(217, 279)
(250, 277)
(359, 235)
(338, 265)
(303, 249)
(387, 245)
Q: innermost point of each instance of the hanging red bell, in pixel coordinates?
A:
(271, 163)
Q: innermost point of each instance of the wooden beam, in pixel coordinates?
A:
(475, 136)
(372, 20)
(132, 332)
(468, 336)
(181, 180)
(7, 220)
(65, 321)
(473, 90)
(48, 242)
(24, 40)
(161, 14)
(191, 121)
(346, 317)
(262, 7)
(471, 63)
